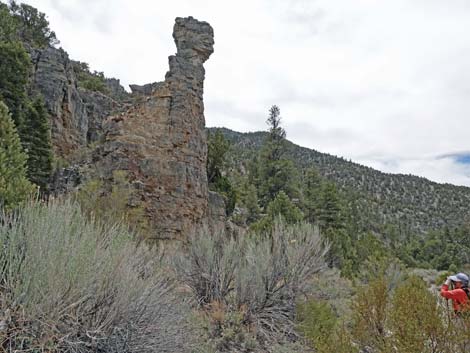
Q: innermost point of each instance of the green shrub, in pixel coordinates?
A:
(95, 81)
(415, 319)
(280, 207)
(224, 330)
(412, 320)
(317, 323)
(370, 315)
(71, 285)
(111, 203)
(290, 347)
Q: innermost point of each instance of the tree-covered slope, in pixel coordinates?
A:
(405, 201)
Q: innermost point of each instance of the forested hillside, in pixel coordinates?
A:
(408, 202)
(363, 210)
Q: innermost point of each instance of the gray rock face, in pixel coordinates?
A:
(216, 210)
(161, 142)
(98, 107)
(116, 91)
(76, 114)
(194, 40)
(65, 180)
(54, 78)
(147, 89)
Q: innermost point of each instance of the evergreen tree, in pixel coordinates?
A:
(24, 23)
(280, 207)
(33, 26)
(283, 206)
(277, 134)
(14, 186)
(37, 142)
(312, 185)
(217, 148)
(330, 210)
(8, 25)
(330, 216)
(247, 200)
(15, 66)
(224, 187)
(275, 173)
(251, 204)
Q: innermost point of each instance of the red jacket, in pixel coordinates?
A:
(459, 298)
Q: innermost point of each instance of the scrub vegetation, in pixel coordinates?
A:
(316, 254)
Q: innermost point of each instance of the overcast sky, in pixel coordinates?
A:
(384, 83)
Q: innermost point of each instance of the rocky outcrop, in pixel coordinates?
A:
(145, 90)
(99, 106)
(65, 180)
(161, 142)
(76, 114)
(115, 90)
(54, 78)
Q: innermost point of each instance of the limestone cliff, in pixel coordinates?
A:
(161, 142)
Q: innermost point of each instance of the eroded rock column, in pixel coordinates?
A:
(161, 143)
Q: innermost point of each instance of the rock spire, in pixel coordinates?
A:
(161, 144)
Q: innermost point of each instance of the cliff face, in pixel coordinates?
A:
(76, 114)
(161, 142)
(53, 77)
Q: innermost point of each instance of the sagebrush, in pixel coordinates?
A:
(250, 284)
(69, 284)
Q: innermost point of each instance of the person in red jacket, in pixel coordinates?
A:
(459, 293)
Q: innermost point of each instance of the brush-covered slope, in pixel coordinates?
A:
(408, 202)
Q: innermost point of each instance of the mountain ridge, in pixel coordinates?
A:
(405, 201)
(347, 160)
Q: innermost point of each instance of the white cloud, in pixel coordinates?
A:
(442, 170)
(387, 79)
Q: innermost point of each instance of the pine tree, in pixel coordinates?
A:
(275, 172)
(15, 65)
(33, 26)
(217, 148)
(36, 140)
(330, 210)
(14, 186)
(277, 134)
(281, 207)
(330, 214)
(312, 185)
(251, 204)
(8, 25)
